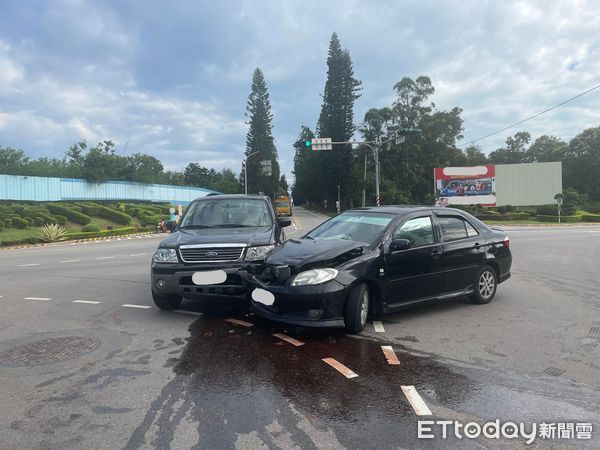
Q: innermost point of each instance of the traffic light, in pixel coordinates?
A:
(319, 144)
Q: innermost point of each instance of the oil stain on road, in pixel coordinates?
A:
(234, 381)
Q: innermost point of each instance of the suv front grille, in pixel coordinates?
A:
(213, 253)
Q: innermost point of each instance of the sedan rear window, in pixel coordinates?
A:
(454, 228)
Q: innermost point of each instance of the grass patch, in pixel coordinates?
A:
(12, 234)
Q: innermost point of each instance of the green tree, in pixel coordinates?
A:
(336, 120)
(260, 138)
(474, 156)
(582, 163)
(308, 184)
(283, 185)
(12, 161)
(515, 151)
(546, 149)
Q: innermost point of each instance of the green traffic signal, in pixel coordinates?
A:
(307, 143)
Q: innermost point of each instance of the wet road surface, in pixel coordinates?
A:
(117, 373)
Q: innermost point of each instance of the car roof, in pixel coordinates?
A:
(401, 210)
(231, 196)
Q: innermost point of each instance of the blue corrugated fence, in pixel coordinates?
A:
(26, 188)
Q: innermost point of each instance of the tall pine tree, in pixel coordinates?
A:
(260, 138)
(336, 120)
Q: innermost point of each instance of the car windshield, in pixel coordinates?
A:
(284, 204)
(227, 213)
(355, 226)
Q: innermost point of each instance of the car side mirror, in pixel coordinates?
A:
(284, 222)
(399, 244)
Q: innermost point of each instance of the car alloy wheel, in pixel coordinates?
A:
(487, 284)
(364, 307)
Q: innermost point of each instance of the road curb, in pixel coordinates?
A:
(75, 241)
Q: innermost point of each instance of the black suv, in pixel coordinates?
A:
(217, 236)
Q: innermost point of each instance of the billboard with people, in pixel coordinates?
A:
(465, 185)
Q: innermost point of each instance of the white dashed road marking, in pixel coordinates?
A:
(193, 313)
(136, 306)
(69, 261)
(416, 401)
(340, 367)
(240, 322)
(28, 265)
(43, 299)
(378, 326)
(291, 340)
(107, 257)
(139, 254)
(87, 302)
(390, 355)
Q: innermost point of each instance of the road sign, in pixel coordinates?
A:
(265, 166)
(400, 140)
(321, 144)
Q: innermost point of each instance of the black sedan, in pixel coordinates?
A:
(380, 260)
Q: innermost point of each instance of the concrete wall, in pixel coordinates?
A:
(528, 184)
(26, 188)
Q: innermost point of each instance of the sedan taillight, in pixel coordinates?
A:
(506, 242)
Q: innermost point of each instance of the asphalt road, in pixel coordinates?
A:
(86, 361)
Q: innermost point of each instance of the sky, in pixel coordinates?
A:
(171, 79)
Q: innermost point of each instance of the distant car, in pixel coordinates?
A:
(217, 236)
(283, 206)
(380, 260)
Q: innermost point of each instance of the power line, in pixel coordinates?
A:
(531, 117)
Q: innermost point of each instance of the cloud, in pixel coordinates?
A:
(173, 81)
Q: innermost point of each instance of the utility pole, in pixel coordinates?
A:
(246, 171)
(364, 183)
(339, 204)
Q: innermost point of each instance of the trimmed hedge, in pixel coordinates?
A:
(105, 233)
(89, 208)
(17, 222)
(552, 210)
(149, 219)
(563, 219)
(57, 218)
(71, 215)
(590, 218)
(115, 216)
(29, 240)
(90, 228)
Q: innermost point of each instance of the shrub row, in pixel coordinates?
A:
(590, 218)
(70, 214)
(563, 219)
(104, 233)
(115, 216)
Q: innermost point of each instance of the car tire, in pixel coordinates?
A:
(484, 286)
(356, 309)
(166, 302)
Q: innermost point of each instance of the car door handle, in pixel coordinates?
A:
(436, 253)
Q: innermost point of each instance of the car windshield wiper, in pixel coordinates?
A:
(196, 226)
(309, 237)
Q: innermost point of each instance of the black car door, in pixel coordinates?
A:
(463, 251)
(414, 273)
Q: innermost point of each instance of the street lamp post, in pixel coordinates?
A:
(246, 171)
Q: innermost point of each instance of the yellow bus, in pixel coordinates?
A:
(283, 206)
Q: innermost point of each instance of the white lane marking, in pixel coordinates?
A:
(340, 367)
(1, 296)
(126, 305)
(390, 355)
(28, 265)
(193, 313)
(42, 299)
(240, 322)
(87, 302)
(291, 340)
(416, 401)
(378, 326)
(107, 257)
(69, 261)
(139, 254)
